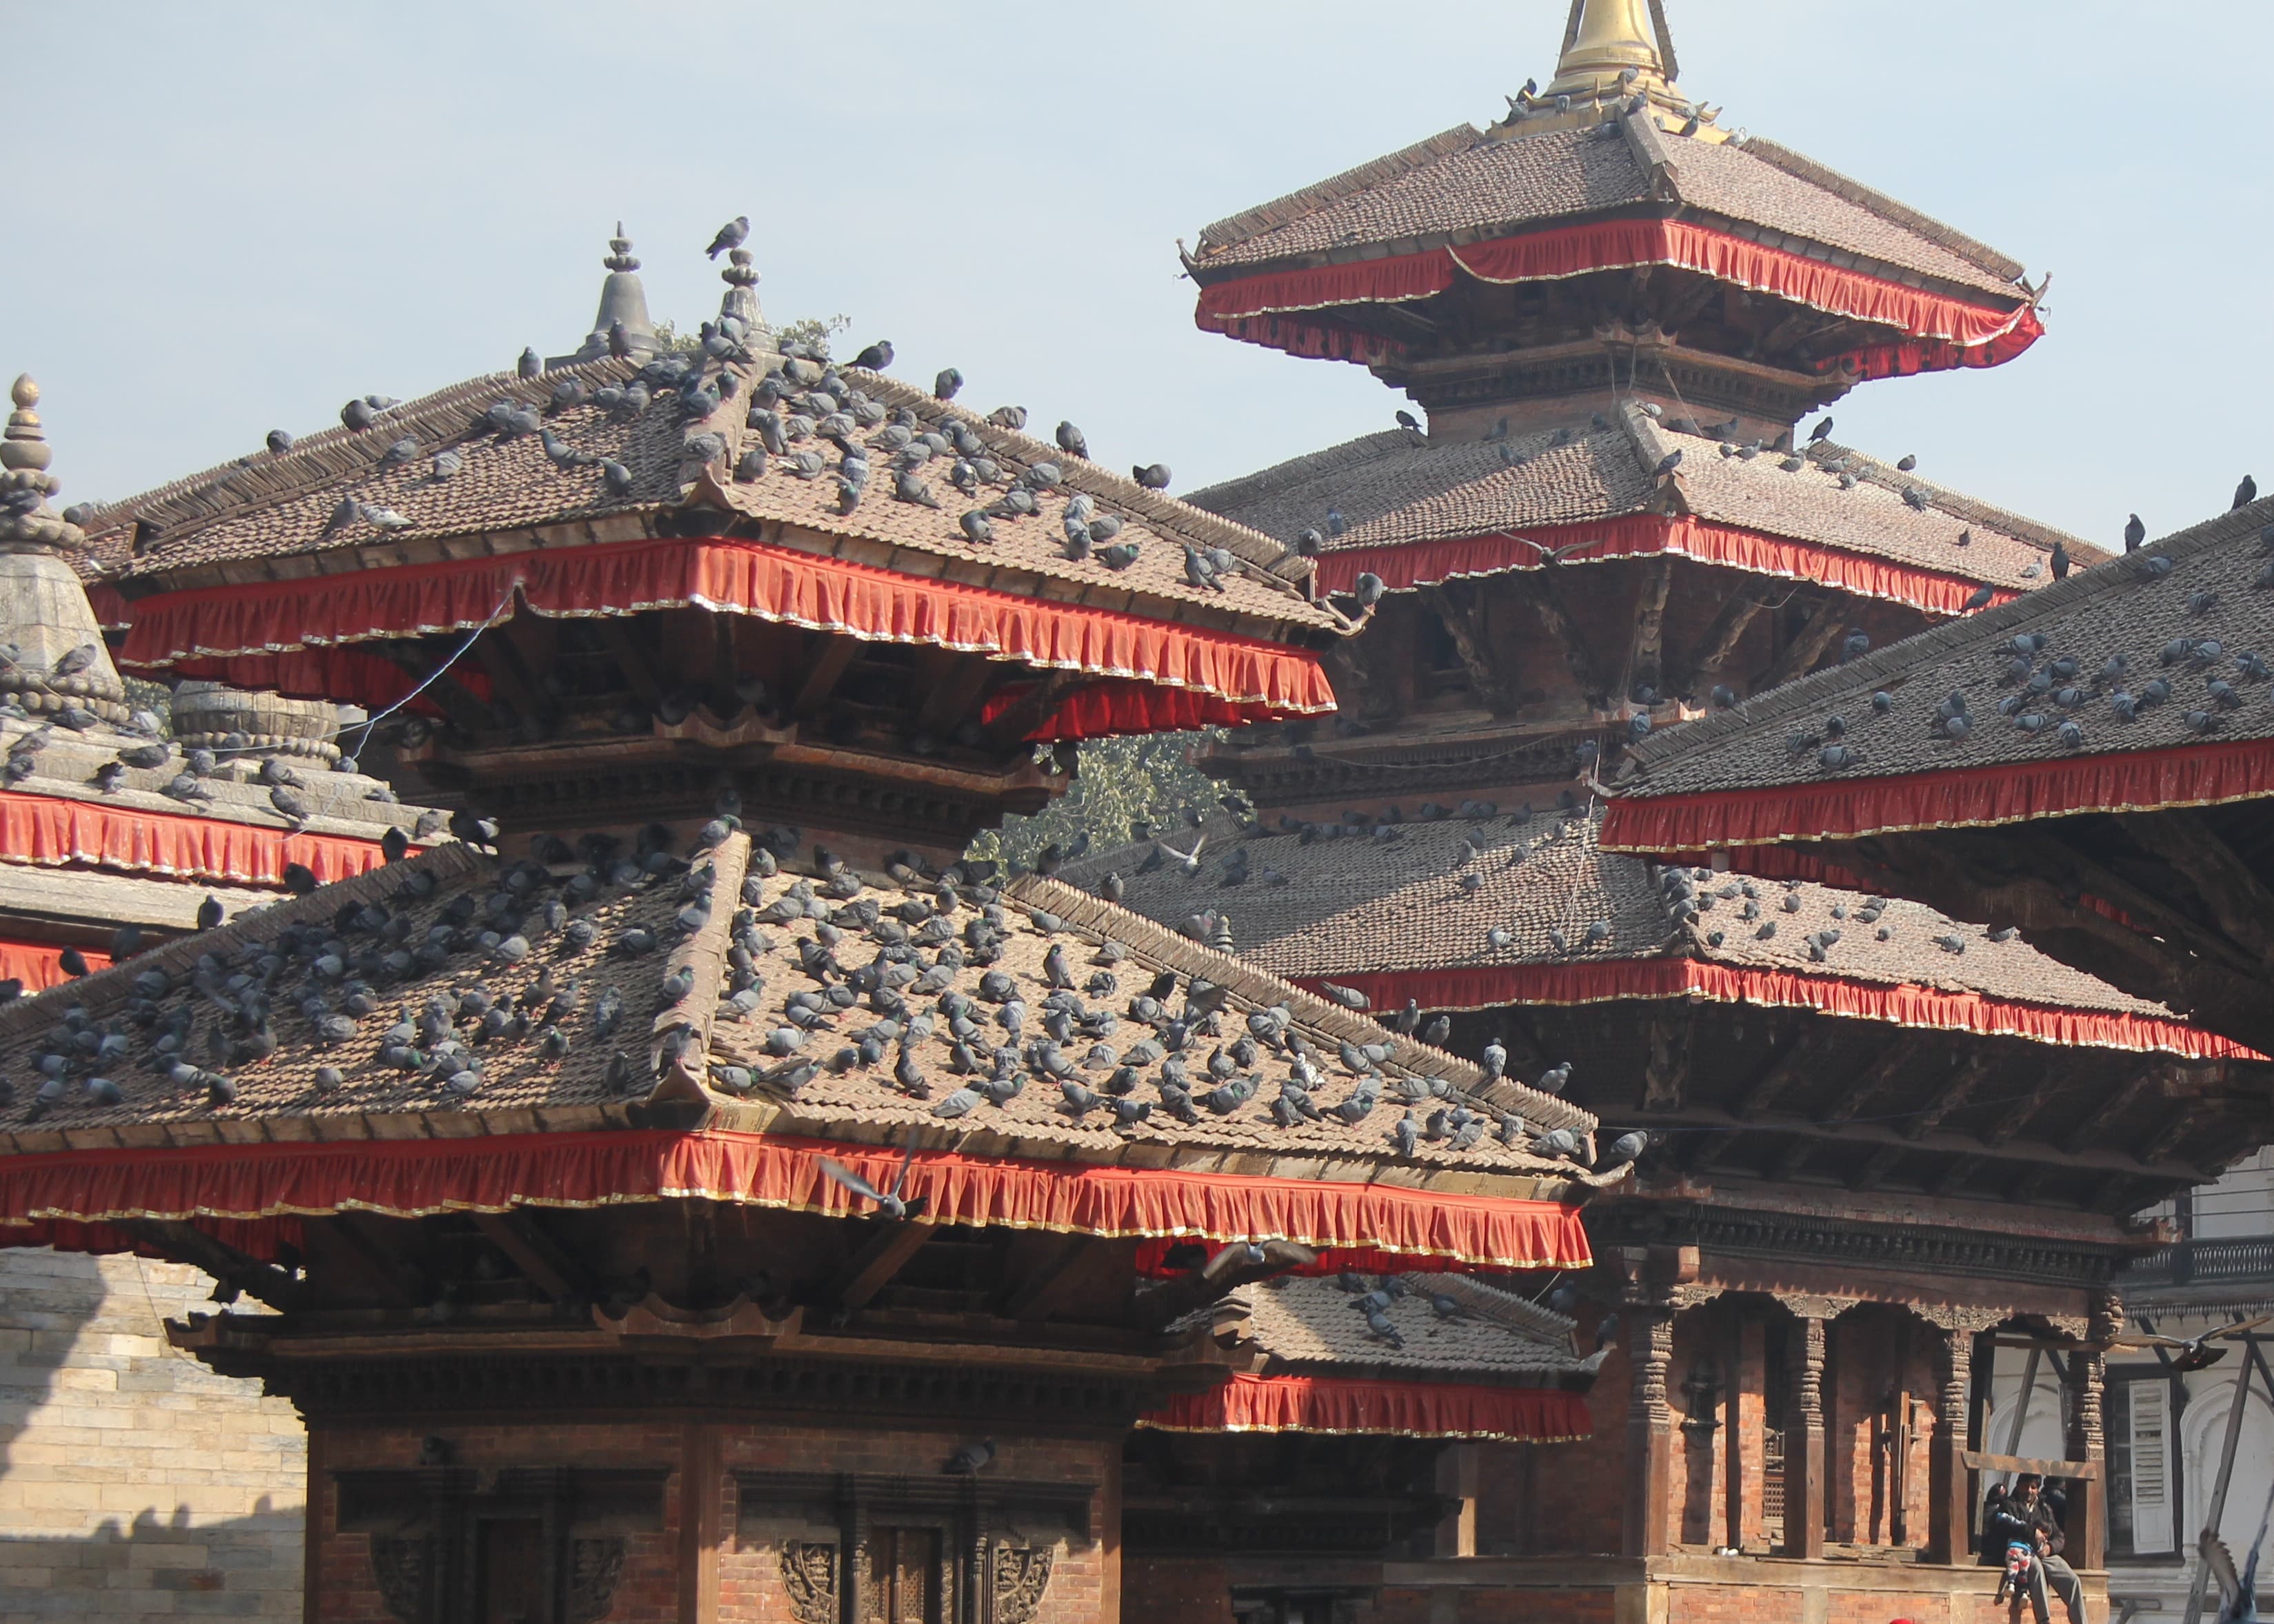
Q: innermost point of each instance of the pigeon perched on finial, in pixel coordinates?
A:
(732, 235)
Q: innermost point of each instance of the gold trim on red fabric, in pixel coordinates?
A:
(410, 1178)
(1247, 678)
(1896, 1004)
(1403, 565)
(1411, 1407)
(2191, 775)
(49, 831)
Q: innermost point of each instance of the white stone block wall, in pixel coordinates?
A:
(134, 1482)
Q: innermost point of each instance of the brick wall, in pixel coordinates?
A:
(134, 1482)
(1175, 1590)
(1875, 1360)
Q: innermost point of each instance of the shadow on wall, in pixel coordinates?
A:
(135, 1484)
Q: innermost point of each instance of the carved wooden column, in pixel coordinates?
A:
(1805, 1477)
(2088, 1502)
(1649, 1427)
(1950, 1491)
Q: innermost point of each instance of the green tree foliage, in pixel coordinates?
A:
(1116, 783)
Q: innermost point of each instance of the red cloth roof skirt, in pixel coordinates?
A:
(1426, 1229)
(1939, 331)
(1405, 565)
(38, 965)
(1898, 1004)
(2194, 775)
(1198, 674)
(1415, 1408)
(51, 831)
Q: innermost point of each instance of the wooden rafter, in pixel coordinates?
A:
(1958, 1088)
(1718, 640)
(1459, 607)
(2237, 900)
(825, 670)
(1665, 1078)
(1790, 1065)
(1046, 1285)
(1808, 643)
(1875, 1169)
(2102, 1117)
(459, 706)
(1883, 1070)
(870, 1269)
(639, 670)
(2014, 1115)
(184, 1242)
(1543, 592)
(1646, 649)
(531, 1250)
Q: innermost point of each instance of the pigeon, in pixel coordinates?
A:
(2247, 492)
(1072, 442)
(1905, 464)
(1667, 465)
(2135, 533)
(947, 385)
(1152, 475)
(876, 358)
(1820, 432)
(732, 235)
(1979, 598)
(2061, 561)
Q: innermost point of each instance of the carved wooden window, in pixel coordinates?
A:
(903, 1577)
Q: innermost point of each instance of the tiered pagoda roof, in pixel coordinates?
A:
(1611, 209)
(1836, 1029)
(2089, 764)
(92, 841)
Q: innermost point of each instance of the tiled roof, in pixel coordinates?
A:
(284, 507)
(2187, 628)
(249, 1000)
(1467, 184)
(1360, 905)
(1446, 1323)
(1397, 487)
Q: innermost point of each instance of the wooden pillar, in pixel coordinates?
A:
(1456, 1481)
(1804, 1475)
(2088, 1503)
(1650, 1429)
(701, 1503)
(1950, 1492)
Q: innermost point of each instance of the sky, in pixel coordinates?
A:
(231, 217)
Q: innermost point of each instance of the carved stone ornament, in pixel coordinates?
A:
(808, 1572)
(594, 1568)
(399, 1564)
(1022, 1576)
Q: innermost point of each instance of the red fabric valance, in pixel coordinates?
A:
(1485, 987)
(415, 1177)
(1419, 1408)
(1939, 331)
(109, 605)
(1240, 679)
(1405, 565)
(51, 831)
(2195, 775)
(38, 965)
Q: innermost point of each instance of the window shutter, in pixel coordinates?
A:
(2151, 1468)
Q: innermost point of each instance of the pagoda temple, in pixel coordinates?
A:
(690, 1193)
(1890, 1149)
(1614, 317)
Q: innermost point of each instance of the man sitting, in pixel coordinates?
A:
(2022, 1516)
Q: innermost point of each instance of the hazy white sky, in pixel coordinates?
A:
(227, 217)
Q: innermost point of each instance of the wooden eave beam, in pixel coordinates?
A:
(1954, 1093)
(391, 1282)
(639, 671)
(1045, 1286)
(870, 1269)
(532, 1251)
(1646, 649)
(1808, 643)
(2237, 900)
(1543, 592)
(513, 679)
(1875, 1169)
(2014, 1115)
(184, 1242)
(1462, 612)
(1883, 1070)
(1718, 640)
(2120, 1100)
(828, 667)
(1791, 1063)
(463, 712)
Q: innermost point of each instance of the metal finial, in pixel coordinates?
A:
(25, 447)
(621, 257)
(24, 454)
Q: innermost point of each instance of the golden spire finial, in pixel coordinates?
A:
(1605, 39)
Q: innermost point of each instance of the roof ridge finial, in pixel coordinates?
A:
(741, 275)
(27, 521)
(620, 254)
(623, 304)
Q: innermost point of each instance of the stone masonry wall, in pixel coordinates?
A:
(135, 1484)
